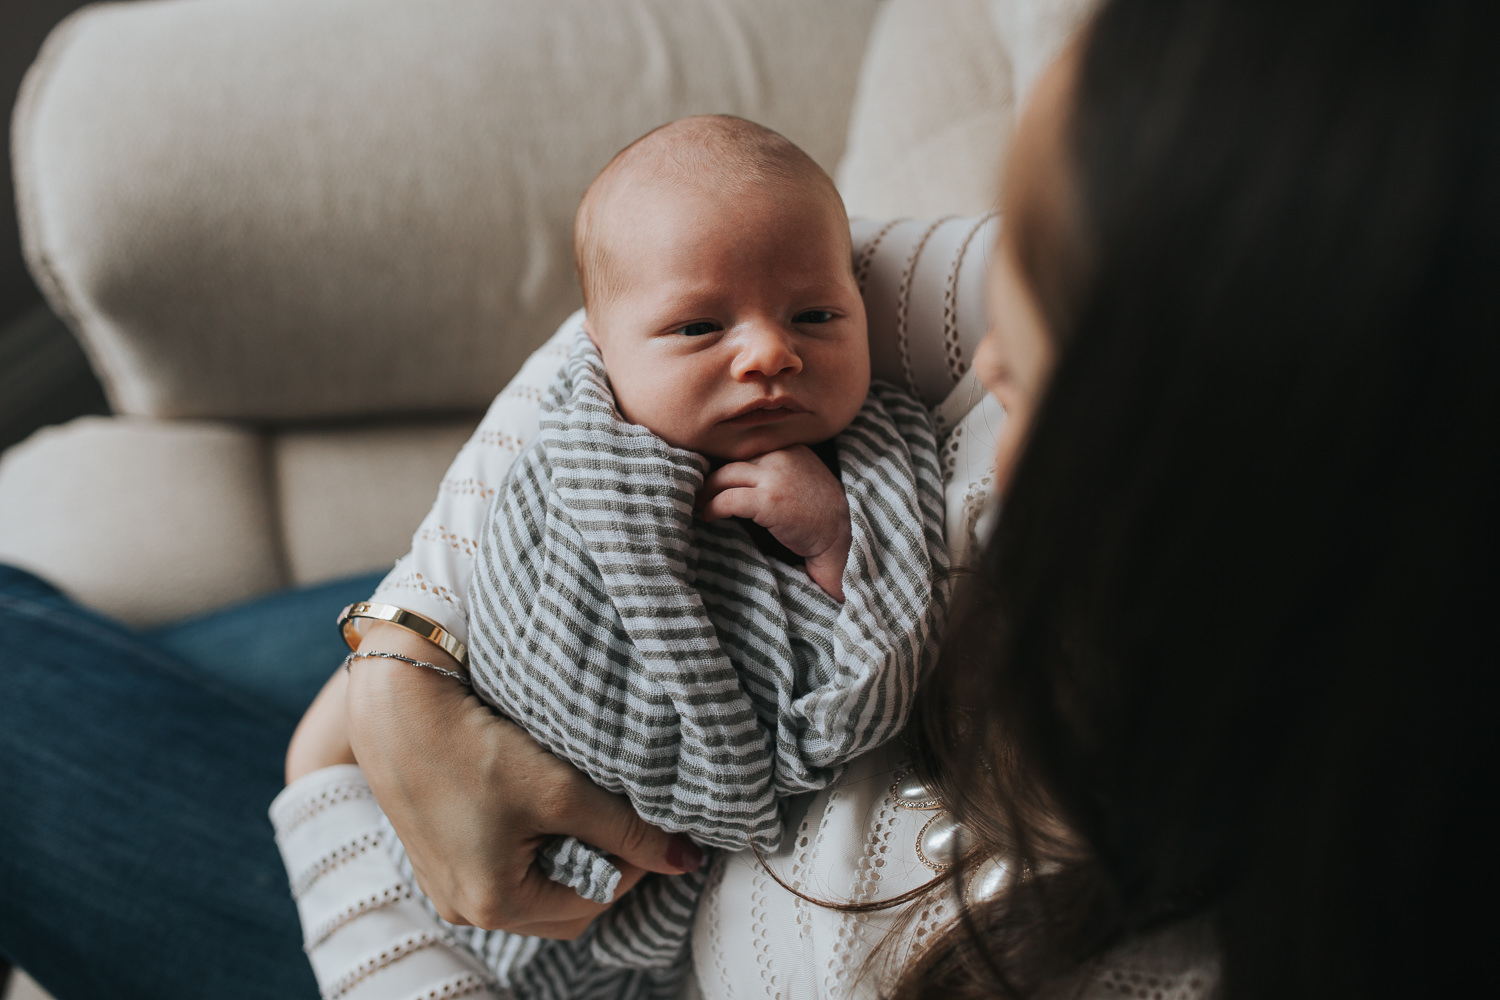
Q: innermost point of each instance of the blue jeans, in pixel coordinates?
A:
(136, 859)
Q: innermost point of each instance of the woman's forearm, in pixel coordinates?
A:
(322, 737)
(473, 796)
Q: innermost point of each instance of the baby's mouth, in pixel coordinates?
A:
(766, 411)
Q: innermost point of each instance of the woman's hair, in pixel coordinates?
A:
(1229, 654)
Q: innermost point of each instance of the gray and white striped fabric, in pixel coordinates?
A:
(673, 661)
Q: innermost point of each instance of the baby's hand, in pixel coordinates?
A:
(794, 496)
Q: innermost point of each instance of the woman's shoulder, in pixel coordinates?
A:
(1179, 962)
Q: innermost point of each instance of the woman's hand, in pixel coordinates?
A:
(473, 797)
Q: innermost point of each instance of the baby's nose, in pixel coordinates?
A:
(767, 350)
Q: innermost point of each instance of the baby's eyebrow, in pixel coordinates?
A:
(686, 299)
(686, 296)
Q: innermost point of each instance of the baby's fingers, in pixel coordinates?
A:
(735, 475)
(734, 502)
(718, 499)
(827, 571)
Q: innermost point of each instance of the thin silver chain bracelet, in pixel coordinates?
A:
(461, 678)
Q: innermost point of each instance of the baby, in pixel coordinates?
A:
(712, 579)
(719, 287)
(620, 610)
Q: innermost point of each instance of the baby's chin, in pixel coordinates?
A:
(730, 442)
(754, 446)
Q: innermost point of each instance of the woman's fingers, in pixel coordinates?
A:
(531, 904)
(609, 823)
(473, 798)
(534, 905)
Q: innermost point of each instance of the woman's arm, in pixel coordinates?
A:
(322, 737)
(473, 797)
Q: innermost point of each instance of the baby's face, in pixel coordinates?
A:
(735, 326)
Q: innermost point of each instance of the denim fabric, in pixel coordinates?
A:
(136, 859)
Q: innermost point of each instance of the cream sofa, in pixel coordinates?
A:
(305, 242)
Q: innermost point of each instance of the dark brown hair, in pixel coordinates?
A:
(1228, 655)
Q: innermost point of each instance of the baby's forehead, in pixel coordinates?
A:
(647, 184)
(698, 180)
(682, 170)
(715, 153)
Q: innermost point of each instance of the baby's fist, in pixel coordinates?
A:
(794, 496)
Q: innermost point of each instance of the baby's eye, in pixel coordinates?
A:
(698, 329)
(814, 316)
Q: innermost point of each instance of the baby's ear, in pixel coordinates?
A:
(588, 328)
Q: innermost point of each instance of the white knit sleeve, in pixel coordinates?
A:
(433, 578)
(365, 932)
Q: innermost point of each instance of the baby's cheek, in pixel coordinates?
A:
(851, 398)
(637, 410)
(632, 397)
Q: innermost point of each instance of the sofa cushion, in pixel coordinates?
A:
(349, 497)
(142, 520)
(154, 520)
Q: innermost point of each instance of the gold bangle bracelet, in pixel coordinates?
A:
(401, 618)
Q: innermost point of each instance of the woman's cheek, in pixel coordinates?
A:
(1008, 442)
(987, 363)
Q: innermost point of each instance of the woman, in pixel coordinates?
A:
(1244, 339)
(1225, 657)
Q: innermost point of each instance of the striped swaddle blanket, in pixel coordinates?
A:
(674, 661)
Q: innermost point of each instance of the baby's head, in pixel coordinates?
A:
(716, 269)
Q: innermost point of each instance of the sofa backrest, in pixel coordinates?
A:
(277, 210)
(938, 95)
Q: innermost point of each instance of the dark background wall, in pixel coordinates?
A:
(23, 25)
(43, 375)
